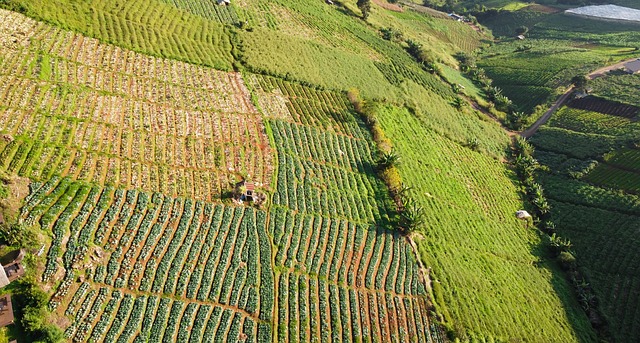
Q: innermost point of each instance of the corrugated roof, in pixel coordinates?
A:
(633, 66)
(4, 280)
(250, 186)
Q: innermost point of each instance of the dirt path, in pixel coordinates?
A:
(533, 128)
(602, 71)
(545, 117)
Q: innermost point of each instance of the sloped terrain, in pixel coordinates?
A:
(134, 155)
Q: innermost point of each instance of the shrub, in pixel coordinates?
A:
(567, 260)
(392, 178)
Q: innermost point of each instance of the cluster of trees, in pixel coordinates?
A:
(33, 315)
(515, 120)
(560, 248)
(365, 8)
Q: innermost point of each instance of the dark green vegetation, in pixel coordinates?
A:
(592, 183)
(132, 184)
(620, 88)
(532, 72)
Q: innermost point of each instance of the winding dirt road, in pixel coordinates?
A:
(563, 98)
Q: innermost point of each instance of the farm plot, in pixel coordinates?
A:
(614, 108)
(592, 188)
(231, 273)
(210, 10)
(339, 275)
(152, 27)
(607, 244)
(339, 281)
(123, 118)
(472, 238)
(202, 265)
(618, 88)
(326, 110)
(588, 121)
(610, 176)
(326, 173)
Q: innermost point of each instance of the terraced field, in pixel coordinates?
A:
(124, 187)
(133, 155)
(124, 118)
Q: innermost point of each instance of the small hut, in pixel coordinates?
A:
(12, 270)
(522, 215)
(6, 311)
(245, 190)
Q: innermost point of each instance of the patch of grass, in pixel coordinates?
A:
(471, 237)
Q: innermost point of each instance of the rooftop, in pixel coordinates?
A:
(6, 311)
(633, 66)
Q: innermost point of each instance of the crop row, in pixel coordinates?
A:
(324, 173)
(126, 118)
(607, 245)
(612, 177)
(343, 252)
(628, 159)
(208, 9)
(311, 310)
(42, 162)
(80, 61)
(156, 244)
(328, 110)
(127, 318)
(582, 193)
(572, 118)
(596, 104)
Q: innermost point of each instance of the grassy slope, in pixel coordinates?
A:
(476, 308)
(489, 272)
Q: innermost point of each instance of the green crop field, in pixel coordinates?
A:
(471, 237)
(557, 47)
(621, 88)
(132, 122)
(592, 182)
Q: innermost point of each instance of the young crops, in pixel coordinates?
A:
(132, 132)
(222, 270)
(471, 236)
(593, 195)
(124, 118)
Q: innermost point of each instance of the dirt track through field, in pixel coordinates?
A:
(563, 98)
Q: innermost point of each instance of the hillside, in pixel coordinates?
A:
(134, 120)
(590, 151)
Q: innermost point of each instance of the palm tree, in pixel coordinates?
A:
(389, 159)
(412, 216)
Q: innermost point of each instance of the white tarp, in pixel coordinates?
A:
(522, 214)
(607, 12)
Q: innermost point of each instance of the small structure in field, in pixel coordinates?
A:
(224, 2)
(523, 215)
(456, 17)
(6, 311)
(245, 190)
(520, 37)
(12, 270)
(329, 2)
(632, 67)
